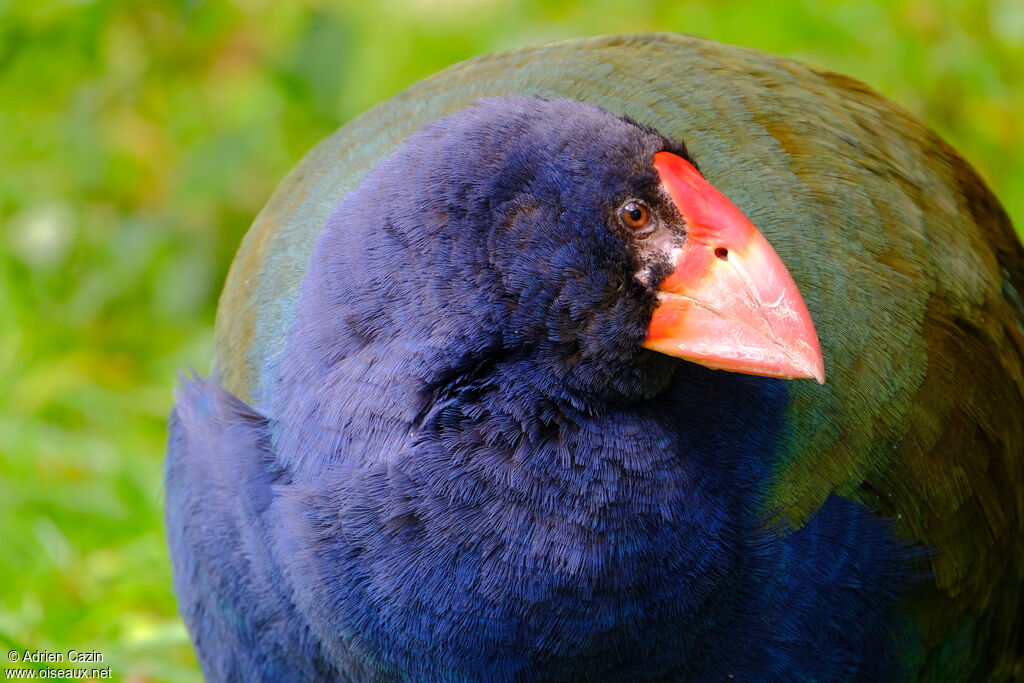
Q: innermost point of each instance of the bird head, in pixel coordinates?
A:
(557, 226)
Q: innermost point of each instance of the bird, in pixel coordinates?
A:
(616, 359)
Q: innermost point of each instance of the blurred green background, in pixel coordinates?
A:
(139, 139)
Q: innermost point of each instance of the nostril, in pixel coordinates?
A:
(722, 253)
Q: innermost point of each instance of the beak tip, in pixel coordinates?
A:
(804, 368)
(812, 360)
(817, 359)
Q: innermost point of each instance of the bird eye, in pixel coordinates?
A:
(635, 215)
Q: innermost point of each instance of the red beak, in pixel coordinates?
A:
(729, 303)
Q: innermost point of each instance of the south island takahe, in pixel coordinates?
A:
(465, 422)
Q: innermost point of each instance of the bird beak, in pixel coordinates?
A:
(729, 303)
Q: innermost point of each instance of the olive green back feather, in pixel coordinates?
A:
(909, 267)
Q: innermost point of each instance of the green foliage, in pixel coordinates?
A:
(139, 139)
